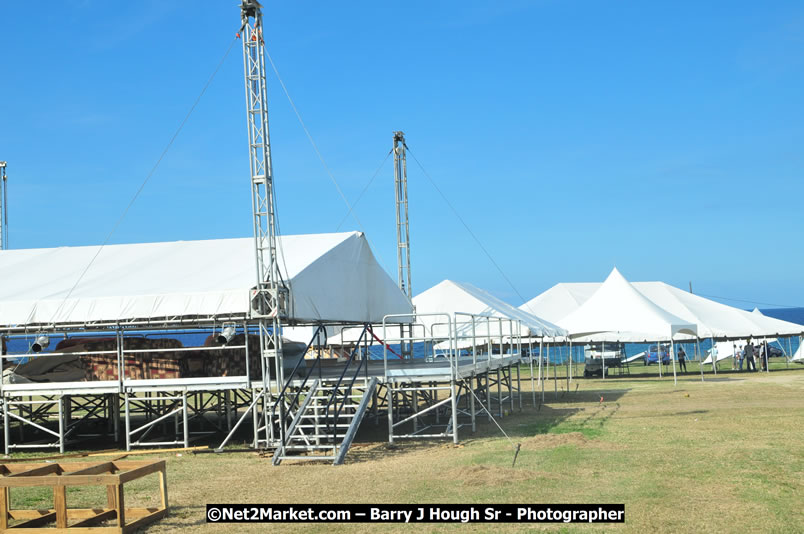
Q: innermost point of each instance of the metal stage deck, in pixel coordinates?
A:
(418, 370)
(400, 389)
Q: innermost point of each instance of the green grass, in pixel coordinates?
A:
(724, 455)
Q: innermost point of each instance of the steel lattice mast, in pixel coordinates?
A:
(3, 207)
(269, 300)
(402, 228)
(402, 232)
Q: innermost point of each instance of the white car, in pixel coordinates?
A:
(595, 354)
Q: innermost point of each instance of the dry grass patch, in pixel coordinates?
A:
(721, 456)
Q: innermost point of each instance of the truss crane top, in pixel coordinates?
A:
(402, 220)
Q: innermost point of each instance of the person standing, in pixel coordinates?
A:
(749, 357)
(741, 357)
(682, 359)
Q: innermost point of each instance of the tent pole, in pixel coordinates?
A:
(659, 358)
(767, 356)
(789, 355)
(555, 369)
(569, 366)
(700, 355)
(673, 359)
(603, 357)
(541, 355)
(714, 356)
(790, 349)
(532, 383)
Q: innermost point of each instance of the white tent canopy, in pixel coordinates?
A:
(713, 319)
(560, 300)
(771, 326)
(332, 277)
(448, 298)
(618, 312)
(799, 355)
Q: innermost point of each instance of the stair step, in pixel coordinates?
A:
(307, 414)
(321, 433)
(306, 457)
(291, 447)
(322, 426)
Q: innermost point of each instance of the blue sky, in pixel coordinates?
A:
(663, 138)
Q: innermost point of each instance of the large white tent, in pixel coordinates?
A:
(771, 326)
(449, 297)
(560, 300)
(616, 311)
(713, 319)
(435, 306)
(332, 277)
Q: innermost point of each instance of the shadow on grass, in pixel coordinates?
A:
(179, 517)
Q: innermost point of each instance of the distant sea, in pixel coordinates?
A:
(794, 315)
(558, 354)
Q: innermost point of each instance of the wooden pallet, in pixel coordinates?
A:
(59, 476)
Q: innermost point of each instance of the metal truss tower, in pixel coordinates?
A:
(3, 207)
(402, 231)
(270, 298)
(402, 227)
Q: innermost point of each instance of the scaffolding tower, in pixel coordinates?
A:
(3, 207)
(270, 298)
(402, 227)
(402, 230)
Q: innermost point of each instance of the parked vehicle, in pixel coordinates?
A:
(655, 352)
(775, 352)
(596, 354)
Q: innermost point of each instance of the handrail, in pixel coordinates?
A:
(351, 382)
(290, 378)
(347, 393)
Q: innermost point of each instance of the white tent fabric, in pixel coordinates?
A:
(712, 318)
(448, 298)
(560, 300)
(617, 311)
(635, 357)
(725, 350)
(332, 277)
(451, 297)
(770, 326)
(799, 355)
(728, 349)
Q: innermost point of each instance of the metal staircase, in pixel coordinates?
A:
(321, 414)
(326, 421)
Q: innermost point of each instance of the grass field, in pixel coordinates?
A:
(725, 455)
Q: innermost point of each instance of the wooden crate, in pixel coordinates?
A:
(59, 476)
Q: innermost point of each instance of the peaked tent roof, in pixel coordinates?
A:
(712, 318)
(451, 297)
(560, 300)
(776, 327)
(448, 298)
(332, 277)
(617, 311)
